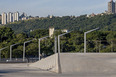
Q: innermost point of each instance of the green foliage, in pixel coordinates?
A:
(97, 41)
(6, 34)
(8, 38)
(39, 33)
(81, 23)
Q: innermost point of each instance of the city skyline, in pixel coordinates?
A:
(9, 17)
(52, 7)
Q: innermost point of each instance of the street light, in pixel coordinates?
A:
(59, 65)
(55, 43)
(1, 50)
(39, 51)
(24, 48)
(59, 40)
(11, 50)
(85, 34)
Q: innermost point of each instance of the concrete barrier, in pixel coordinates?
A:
(88, 63)
(95, 63)
(49, 64)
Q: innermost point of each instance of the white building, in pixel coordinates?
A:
(51, 32)
(16, 16)
(9, 17)
(64, 30)
(24, 18)
(4, 18)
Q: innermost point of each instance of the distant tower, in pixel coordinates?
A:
(51, 32)
(4, 18)
(111, 7)
(16, 16)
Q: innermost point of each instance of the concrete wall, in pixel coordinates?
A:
(95, 63)
(88, 63)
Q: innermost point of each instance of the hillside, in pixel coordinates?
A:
(82, 23)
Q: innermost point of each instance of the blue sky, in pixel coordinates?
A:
(54, 7)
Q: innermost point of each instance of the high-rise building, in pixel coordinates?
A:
(16, 16)
(4, 18)
(115, 6)
(111, 7)
(9, 17)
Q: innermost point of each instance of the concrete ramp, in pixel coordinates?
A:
(48, 64)
(80, 63)
(88, 63)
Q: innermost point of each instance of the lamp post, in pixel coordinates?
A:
(85, 37)
(55, 43)
(24, 48)
(59, 65)
(39, 47)
(59, 40)
(1, 50)
(11, 50)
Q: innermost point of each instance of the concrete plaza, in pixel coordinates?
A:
(78, 65)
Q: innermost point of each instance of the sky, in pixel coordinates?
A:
(44, 8)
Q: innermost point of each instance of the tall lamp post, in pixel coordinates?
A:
(39, 47)
(59, 40)
(85, 37)
(24, 48)
(59, 65)
(55, 43)
(11, 50)
(1, 50)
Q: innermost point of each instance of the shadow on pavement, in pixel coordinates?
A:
(9, 71)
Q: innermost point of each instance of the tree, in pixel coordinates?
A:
(80, 23)
(111, 38)
(6, 34)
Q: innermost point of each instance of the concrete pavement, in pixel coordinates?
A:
(73, 65)
(22, 70)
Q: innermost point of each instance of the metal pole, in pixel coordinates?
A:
(85, 34)
(24, 52)
(55, 45)
(11, 53)
(85, 43)
(100, 46)
(24, 48)
(0, 55)
(39, 49)
(1, 50)
(58, 44)
(59, 64)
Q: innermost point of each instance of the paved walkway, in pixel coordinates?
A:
(78, 65)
